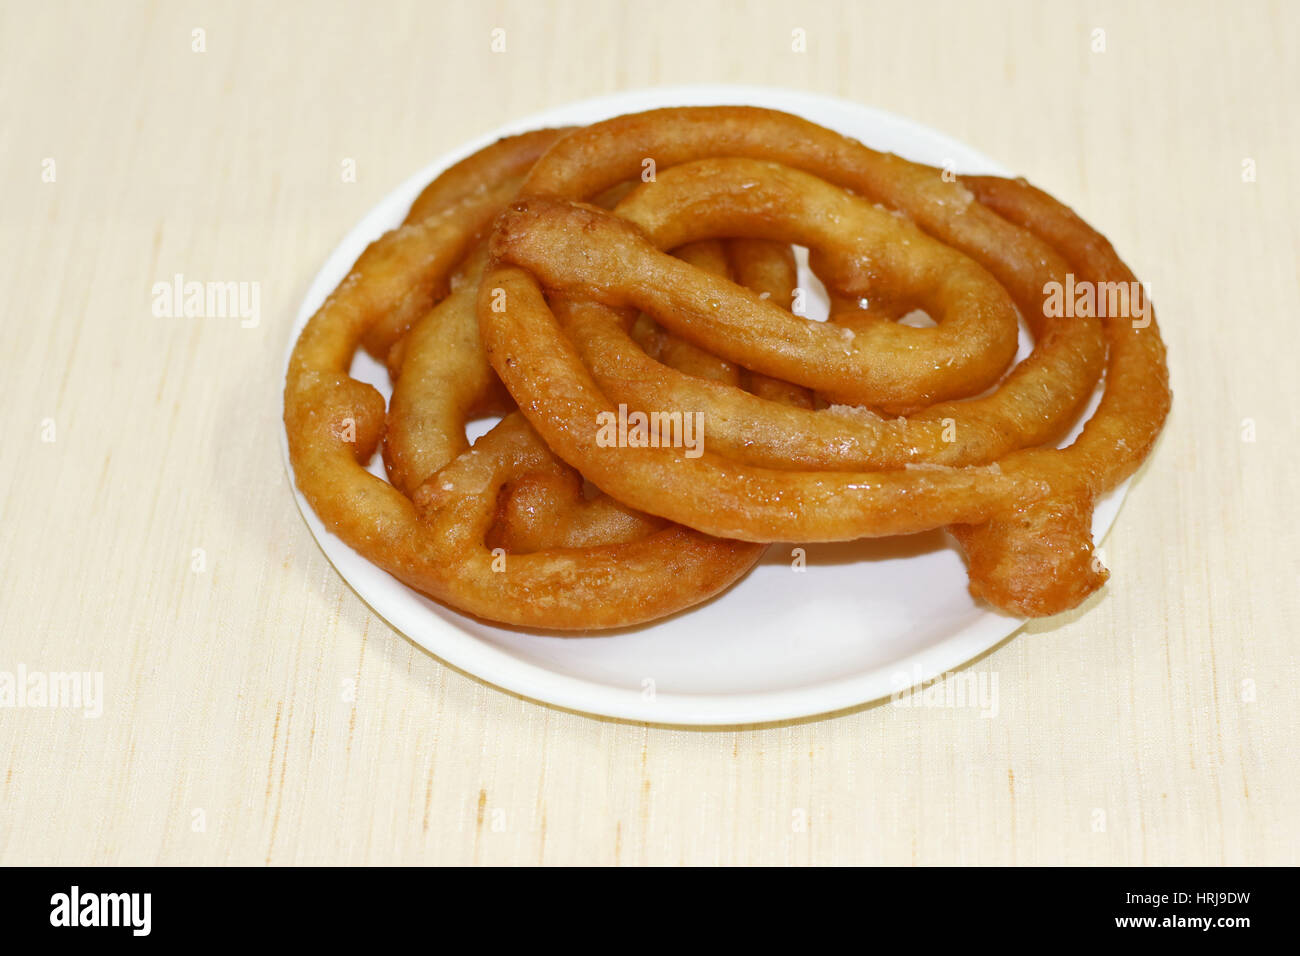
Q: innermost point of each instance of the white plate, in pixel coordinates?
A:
(864, 620)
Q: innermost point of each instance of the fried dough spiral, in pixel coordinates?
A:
(543, 279)
(1020, 508)
(436, 540)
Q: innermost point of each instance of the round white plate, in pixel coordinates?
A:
(862, 620)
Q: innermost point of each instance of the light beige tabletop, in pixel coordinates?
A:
(254, 709)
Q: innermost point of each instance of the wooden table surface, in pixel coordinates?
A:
(254, 709)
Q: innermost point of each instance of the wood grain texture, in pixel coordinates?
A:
(1156, 725)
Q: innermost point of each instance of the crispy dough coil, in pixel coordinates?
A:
(437, 542)
(1020, 508)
